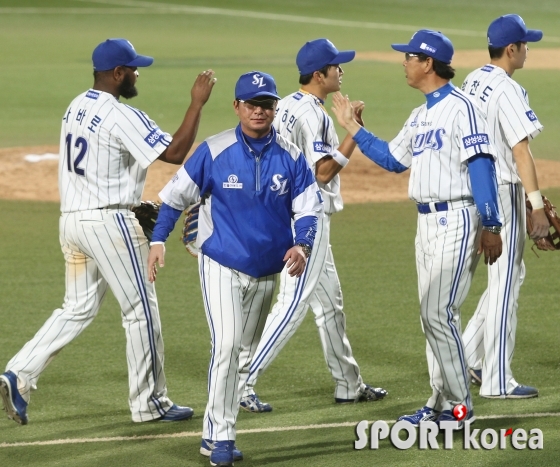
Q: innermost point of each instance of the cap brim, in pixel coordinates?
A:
(257, 94)
(405, 48)
(141, 60)
(344, 56)
(533, 35)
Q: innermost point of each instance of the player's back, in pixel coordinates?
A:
(510, 119)
(96, 167)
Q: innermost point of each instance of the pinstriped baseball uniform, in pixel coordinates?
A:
(105, 150)
(490, 335)
(435, 143)
(303, 120)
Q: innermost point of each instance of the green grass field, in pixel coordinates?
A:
(82, 396)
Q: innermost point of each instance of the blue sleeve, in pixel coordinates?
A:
(482, 173)
(378, 151)
(306, 228)
(166, 220)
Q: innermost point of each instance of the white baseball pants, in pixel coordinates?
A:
(104, 247)
(446, 244)
(318, 288)
(236, 307)
(490, 334)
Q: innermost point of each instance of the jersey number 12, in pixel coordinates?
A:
(80, 143)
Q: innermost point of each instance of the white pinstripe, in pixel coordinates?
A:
(105, 150)
(490, 334)
(446, 256)
(87, 238)
(236, 306)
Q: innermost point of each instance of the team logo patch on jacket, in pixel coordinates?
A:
(233, 182)
(280, 184)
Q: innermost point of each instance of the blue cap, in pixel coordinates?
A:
(117, 52)
(255, 84)
(509, 29)
(319, 53)
(431, 43)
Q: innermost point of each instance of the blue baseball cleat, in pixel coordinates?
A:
(177, 413)
(252, 403)
(14, 405)
(222, 454)
(519, 392)
(207, 446)
(425, 414)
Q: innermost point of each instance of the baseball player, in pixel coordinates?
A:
(253, 181)
(106, 147)
(445, 144)
(490, 335)
(301, 118)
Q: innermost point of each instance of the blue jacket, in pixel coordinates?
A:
(251, 199)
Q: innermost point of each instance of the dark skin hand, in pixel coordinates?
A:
(491, 244)
(183, 139)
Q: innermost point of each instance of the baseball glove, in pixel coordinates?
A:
(147, 213)
(552, 240)
(190, 229)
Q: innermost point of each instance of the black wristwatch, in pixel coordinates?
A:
(306, 249)
(495, 229)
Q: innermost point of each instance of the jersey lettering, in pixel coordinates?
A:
(81, 115)
(531, 116)
(433, 139)
(320, 146)
(473, 140)
(280, 185)
(83, 145)
(153, 138)
(485, 94)
(95, 121)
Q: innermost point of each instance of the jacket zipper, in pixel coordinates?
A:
(258, 173)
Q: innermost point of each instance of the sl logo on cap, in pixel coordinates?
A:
(258, 79)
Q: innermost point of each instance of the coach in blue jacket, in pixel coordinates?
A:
(253, 183)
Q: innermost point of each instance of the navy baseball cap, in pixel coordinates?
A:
(509, 29)
(255, 84)
(431, 43)
(319, 53)
(117, 52)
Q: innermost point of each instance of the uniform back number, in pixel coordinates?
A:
(80, 143)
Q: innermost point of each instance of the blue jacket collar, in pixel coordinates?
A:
(243, 141)
(439, 94)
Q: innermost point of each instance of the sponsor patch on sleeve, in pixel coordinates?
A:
(298, 96)
(473, 140)
(154, 137)
(531, 116)
(487, 68)
(320, 146)
(92, 94)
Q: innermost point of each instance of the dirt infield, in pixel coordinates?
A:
(362, 180)
(537, 59)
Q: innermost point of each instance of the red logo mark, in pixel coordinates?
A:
(459, 412)
(508, 432)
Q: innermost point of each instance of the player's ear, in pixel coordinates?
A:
(236, 106)
(118, 74)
